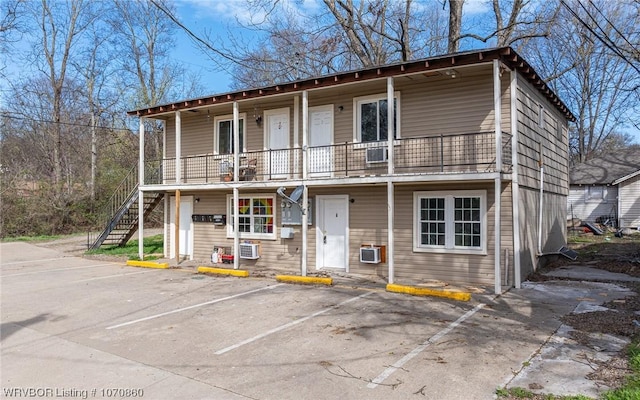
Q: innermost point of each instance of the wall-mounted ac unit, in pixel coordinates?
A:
(376, 155)
(249, 251)
(370, 255)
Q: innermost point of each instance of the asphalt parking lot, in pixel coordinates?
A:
(79, 328)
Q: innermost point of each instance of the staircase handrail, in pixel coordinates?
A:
(120, 197)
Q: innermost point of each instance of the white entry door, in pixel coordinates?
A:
(332, 231)
(277, 142)
(320, 141)
(186, 225)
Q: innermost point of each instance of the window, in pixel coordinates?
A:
(371, 117)
(224, 134)
(256, 214)
(595, 193)
(541, 118)
(450, 221)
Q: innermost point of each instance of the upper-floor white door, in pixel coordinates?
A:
(277, 160)
(320, 141)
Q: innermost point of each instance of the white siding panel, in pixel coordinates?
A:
(630, 203)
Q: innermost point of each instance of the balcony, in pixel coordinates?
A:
(444, 154)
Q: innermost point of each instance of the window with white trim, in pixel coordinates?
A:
(371, 117)
(450, 221)
(223, 143)
(256, 214)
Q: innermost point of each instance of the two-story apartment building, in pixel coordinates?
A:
(451, 168)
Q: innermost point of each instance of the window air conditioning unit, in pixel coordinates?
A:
(249, 251)
(370, 255)
(376, 155)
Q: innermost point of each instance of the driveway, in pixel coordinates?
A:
(73, 326)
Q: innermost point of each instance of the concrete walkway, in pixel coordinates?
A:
(562, 365)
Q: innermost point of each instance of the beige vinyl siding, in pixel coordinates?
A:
(629, 191)
(428, 106)
(412, 266)
(551, 138)
(553, 227)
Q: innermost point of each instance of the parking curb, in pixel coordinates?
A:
(241, 273)
(147, 264)
(417, 291)
(308, 280)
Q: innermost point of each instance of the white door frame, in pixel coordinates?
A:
(330, 151)
(320, 199)
(285, 153)
(186, 203)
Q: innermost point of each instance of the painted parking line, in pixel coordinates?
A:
(58, 269)
(5, 264)
(110, 276)
(401, 362)
(290, 324)
(191, 307)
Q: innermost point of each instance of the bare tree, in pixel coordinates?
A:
(455, 24)
(600, 86)
(59, 26)
(144, 37)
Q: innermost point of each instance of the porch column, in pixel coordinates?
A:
(390, 171)
(176, 236)
(515, 180)
(305, 190)
(140, 193)
(178, 147)
(236, 178)
(498, 180)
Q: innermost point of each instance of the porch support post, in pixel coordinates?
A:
(178, 147)
(515, 180)
(390, 187)
(236, 227)
(176, 228)
(140, 193)
(236, 142)
(236, 178)
(497, 104)
(305, 191)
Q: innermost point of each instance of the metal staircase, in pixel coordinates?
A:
(120, 216)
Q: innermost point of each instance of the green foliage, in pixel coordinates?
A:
(521, 393)
(631, 389)
(152, 245)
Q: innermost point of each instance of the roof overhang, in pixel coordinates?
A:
(506, 55)
(627, 177)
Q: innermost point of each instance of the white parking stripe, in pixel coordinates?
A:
(398, 364)
(193, 306)
(111, 276)
(290, 324)
(32, 261)
(42, 271)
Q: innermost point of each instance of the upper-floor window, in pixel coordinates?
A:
(371, 122)
(224, 134)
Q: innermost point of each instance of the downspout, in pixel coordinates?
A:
(236, 193)
(541, 201)
(515, 180)
(305, 191)
(140, 193)
(390, 172)
(497, 107)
